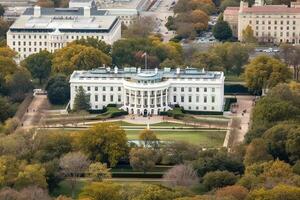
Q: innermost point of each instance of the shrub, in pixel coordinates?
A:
(218, 179)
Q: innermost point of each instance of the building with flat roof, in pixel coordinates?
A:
(270, 23)
(82, 3)
(140, 91)
(17, 3)
(52, 28)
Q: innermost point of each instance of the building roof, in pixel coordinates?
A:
(271, 9)
(80, 1)
(231, 11)
(64, 20)
(65, 11)
(142, 74)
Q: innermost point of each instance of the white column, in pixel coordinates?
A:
(148, 101)
(135, 99)
(155, 98)
(142, 101)
(124, 97)
(161, 99)
(166, 97)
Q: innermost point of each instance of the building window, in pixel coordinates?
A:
(88, 88)
(212, 108)
(212, 89)
(119, 89)
(174, 89)
(104, 98)
(213, 99)
(190, 99)
(197, 89)
(119, 98)
(182, 99)
(205, 89)
(204, 108)
(103, 89)
(111, 98)
(197, 107)
(190, 89)
(205, 99)
(111, 89)
(182, 89)
(197, 99)
(174, 99)
(96, 88)
(96, 97)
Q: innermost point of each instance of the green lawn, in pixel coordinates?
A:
(207, 139)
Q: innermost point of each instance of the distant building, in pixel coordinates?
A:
(270, 23)
(82, 3)
(13, 13)
(151, 91)
(52, 28)
(17, 3)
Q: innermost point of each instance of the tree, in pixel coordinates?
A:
(218, 179)
(178, 152)
(206, 60)
(277, 193)
(34, 193)
(2, 10)
(6, 109)
(228, 3)
(4, 26)
(293, 144)
(45, 3)
(181, 175)
(104, 142)
(82, 100)
(256, 152)
(78, 57)
(32, 174)
(101, 191)
(72, 165)
(58, 89)
(290, 54)
(93, 42)
(264, 72)
(141, 27)
(39, 65)
(248, 35)
(7, 67)
(142, 159)
(222, 31)
(19, 84)
(148, 138)
(236, 191)
(212, 160)
(98, 171)
(9, 170)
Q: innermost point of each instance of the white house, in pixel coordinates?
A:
(151, 91)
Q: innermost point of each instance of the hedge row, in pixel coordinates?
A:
(228, 102)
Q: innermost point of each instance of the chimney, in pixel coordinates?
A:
(116, 69)
(177, 70)
(139, 70)
(37, 11)
(156, 70)
(87, 11)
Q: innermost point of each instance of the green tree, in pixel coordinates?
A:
(97, 44)
(206, 60)
(248, 35)
(104, 142)
(39, 65)
(141, 27)
(218, 179)
(98, 171)
(6, 109)
(148, 138)
(2, 10)
(142, 159)
(293, 144)
(290, 54)
(264, 72)
(236, 191)
(4, 26)
(19, 84)
(9, 169)
(101, 191)
(82, 100)
(256, 152)
(58, 89)
(222, 31)
(32, 174)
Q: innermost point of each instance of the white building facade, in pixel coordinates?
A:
(151, 91)
(53, 28)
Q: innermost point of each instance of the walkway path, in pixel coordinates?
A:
(34, 112)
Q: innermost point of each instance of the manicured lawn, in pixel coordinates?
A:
(207, 139)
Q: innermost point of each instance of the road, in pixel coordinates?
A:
(161, 14)
(35, 111)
